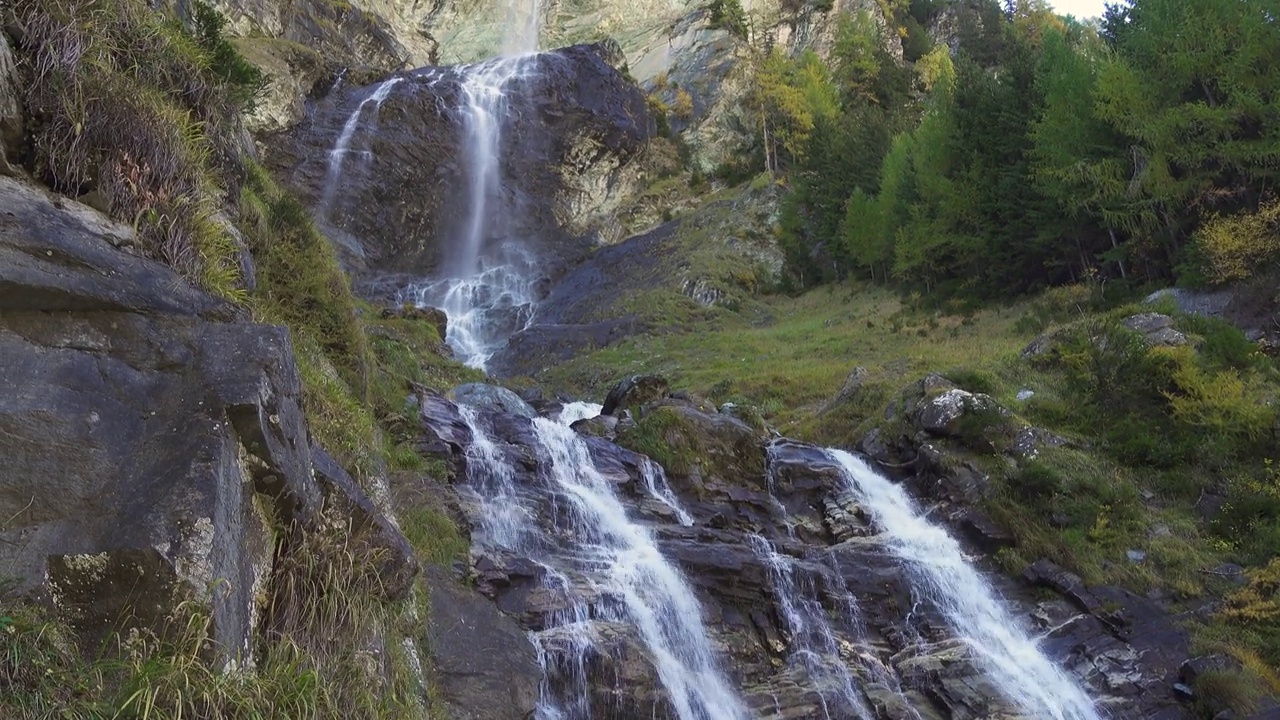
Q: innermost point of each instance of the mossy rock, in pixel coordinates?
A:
(634, 393)
(704, 454)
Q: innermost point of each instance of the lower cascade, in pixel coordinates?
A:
(596, 550)
(610, 570)
(941, 573)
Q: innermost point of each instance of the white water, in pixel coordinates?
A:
(338, 154)
(813, 644)
(628, 578)
(485, 289)
(575, 411)
(939, 570)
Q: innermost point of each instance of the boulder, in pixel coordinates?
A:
(634, 393)
(1156, 328)
(156, 451)
(852, 386)
(491, 397)
(975, 419)
(484, 665)
(149, 451)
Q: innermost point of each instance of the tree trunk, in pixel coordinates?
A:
(1116, 246)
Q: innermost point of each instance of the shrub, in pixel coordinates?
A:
(1234, 246)
(729, 15)
(243, 80)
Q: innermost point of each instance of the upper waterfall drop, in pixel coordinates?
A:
(487, 291)
(935, 561)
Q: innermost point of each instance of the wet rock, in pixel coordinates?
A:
(617, 672)
(397, 213)
(444, 432)
(491, 397)
(634, 393)
(1156, 328)
(600, 426)
(483, 662)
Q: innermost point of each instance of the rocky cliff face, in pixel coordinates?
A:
(574, 124)
(157, 459)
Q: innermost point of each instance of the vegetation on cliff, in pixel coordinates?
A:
(139, 114)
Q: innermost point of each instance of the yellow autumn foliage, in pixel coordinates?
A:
(1235, 245)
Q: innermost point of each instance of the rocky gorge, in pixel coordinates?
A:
(336, 505)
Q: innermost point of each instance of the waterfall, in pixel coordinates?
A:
(813, 644)
(485, 290)
(524, 23)
(575, 411)
(609, 569)
(939, 571)
(338, 154)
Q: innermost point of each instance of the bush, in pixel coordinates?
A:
(1235, 245)
(729, 15)
(243, 80)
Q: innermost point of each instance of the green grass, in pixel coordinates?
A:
(1151, 430)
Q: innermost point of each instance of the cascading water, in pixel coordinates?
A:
(341, 147)
(939, 570)
(485, 291)
(813, 644)
(627, 579)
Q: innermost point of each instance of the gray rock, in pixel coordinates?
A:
(1194, 302)
(852, 385)
(484, 664)
(1025, 395)
(493, 397)
(941, 415)
(1028, 442)
(153, 450)
(1043, 345)
(1136, 556)
(1156, 328)
(634, 393)
(394, 215)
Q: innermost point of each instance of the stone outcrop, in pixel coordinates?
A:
(574, 115)
(155, 447)
(715, 259)
(899, 649)
(474, 649)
